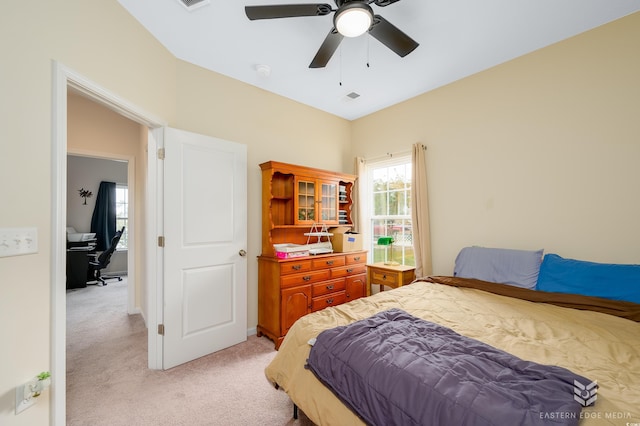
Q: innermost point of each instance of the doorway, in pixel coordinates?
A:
(194, 163)
(103, 145)
(65, 79)
(84, 175)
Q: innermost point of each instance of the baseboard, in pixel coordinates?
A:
(251, 331)
(139, 311)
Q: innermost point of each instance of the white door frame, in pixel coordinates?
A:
(63, 78)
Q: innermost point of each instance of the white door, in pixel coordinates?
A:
(205, 230)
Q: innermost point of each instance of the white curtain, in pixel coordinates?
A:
(420, 211)
(358, 194)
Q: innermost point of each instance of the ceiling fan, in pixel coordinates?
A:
(351, 19)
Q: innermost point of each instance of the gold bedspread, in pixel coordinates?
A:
(598, 346)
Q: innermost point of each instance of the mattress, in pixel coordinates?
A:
(600, 346)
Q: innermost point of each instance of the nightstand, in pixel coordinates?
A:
(393, 276)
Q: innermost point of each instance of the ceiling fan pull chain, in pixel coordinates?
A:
(340, 59)
(368, 52)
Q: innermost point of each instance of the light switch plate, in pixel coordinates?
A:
(18, 241)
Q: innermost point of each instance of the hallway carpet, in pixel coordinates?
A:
(108, 382)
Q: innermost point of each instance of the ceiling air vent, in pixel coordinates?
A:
(193, 4)
(351, 96)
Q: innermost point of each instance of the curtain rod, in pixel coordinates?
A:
(389, 155)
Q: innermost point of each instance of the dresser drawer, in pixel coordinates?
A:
(380, 277)
(304, 278)
(295, 266)
(356, 258)
(332, 299)
(327, 262)
(343, 271)
(327, 287)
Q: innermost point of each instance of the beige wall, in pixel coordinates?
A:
(102, 42)
(540, 152)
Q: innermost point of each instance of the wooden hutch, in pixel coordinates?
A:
(294, 199)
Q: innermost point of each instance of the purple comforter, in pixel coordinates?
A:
(396, 369)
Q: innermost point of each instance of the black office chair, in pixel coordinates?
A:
(95, 266)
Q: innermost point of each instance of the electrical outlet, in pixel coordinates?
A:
(18, 241)
(22, 402)
(28, 393)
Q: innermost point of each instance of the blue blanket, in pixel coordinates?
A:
(396, 369)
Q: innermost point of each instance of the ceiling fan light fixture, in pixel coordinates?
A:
(353, 19)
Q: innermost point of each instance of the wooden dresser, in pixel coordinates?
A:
(294, 198)
(291, 288)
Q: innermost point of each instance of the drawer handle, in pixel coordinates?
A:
(356, 258)
(329, 301)
(350, 270)
(329, 262)
(296, 267)
(306, 277)
(384, 276)
(330, 287)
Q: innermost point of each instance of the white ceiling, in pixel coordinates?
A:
(457, 38)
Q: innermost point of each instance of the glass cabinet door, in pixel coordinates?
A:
(329, 202)
(306, 210)
(316, 201)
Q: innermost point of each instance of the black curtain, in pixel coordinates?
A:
(103, 221)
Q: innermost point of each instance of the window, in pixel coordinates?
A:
(122, 215)
(389, 211)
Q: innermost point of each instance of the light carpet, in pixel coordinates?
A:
(108, 382)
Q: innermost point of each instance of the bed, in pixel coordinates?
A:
(593, 337)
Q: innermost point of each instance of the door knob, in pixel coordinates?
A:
(242, 253)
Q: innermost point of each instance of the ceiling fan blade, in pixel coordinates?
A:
(286, 10)
(327, 49)
(389, 35)
(383, 3)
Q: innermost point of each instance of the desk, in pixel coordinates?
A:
(393, 276)
(78, 256)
